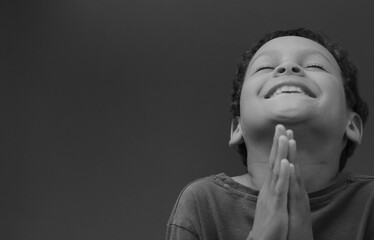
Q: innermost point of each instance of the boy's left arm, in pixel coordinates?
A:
(300, 221)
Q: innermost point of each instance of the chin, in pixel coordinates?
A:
(290, 120)
(291, 116)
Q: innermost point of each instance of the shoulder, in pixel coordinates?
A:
(348, 187)
(192, 203)
(214, 190)
(362, 183)
(217, 187)
(357, 190)
(211, 194)
(200, 195)
(197, 190)
(361, 180)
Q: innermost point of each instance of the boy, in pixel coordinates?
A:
(302, 85)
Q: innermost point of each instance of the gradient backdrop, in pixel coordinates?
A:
(109, 108)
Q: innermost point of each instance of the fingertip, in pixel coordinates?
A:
(283, 138)
(289, 134)
(292, 168)
(292, 144)
(284, 163)
(280, 129)
(277, 128)
(284, 168)
(282, 182)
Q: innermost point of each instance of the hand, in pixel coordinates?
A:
(271, 216)
(299, 217)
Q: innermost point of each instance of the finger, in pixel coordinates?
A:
(282, 185)
(297, 194)
(292, 152)
(293, 188)
(281, 154)
(292, 155)
(289, 134)
(282, 130)
(279, 129)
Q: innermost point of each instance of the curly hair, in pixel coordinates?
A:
(348, 72)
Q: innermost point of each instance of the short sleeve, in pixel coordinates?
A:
(184, 221)
(211, 209)
(175, 232)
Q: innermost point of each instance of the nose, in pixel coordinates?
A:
(288, 68)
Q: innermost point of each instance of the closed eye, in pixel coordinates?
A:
(318, 66)
(264, 68)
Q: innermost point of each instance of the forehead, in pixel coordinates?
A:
(288, 45)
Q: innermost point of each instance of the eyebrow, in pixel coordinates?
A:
(306, 52)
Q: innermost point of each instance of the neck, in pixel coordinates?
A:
(257, 172)
(317, 155)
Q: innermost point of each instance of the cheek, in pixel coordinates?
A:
(248, 97)
(332, 88)
(250, 105)
(335, 107)
(337, 94)
(252, 86)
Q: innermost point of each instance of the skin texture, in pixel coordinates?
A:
(272, 66)
(293, 60)
(319, 122)
(282, 211)
(322, 124)
(271, 217)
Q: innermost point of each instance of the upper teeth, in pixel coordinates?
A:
(288, 89)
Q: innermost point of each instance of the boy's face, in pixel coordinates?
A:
(292, 80)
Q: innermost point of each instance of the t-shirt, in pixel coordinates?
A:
(217, 207)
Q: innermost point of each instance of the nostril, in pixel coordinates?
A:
(295, 69)
(281, 70)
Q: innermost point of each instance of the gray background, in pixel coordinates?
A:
(109, 108)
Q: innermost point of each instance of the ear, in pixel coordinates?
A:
(236, 134)
(354, 128)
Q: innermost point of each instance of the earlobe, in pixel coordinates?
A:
(236, 134)
(354, 128)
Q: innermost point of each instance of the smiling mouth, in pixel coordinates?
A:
(289, 89)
